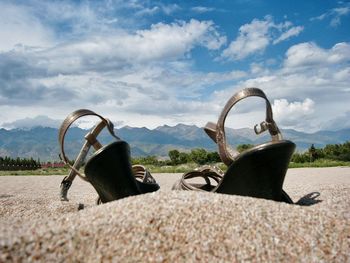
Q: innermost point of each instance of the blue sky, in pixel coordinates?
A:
(149, 63)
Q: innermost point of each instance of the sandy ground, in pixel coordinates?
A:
(176, 226)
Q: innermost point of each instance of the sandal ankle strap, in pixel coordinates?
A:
(217, 131)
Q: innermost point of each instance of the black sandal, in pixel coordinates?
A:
(257, 172)
(109, 169)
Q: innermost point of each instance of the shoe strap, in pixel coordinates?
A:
(217, 131)
(141, 173)
(91, 138)
(207, 172)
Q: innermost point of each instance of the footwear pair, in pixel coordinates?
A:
(257, 172)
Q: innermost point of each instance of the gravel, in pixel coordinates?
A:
(169, 226)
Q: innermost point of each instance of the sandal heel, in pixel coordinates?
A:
(259, 172)
(109, 171)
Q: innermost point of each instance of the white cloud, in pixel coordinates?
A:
(312, 81)
(288, 114)
(334, 14)
(20, 27)
(258, 69)
(27, 70)
(30, 122)
(148, 11)
(176, 38)
(159, 43)
(341, 11)
(257, 35)
(171, 8)
(337, 14)
(202, 9)
(294, 31)
(320, 17)
(342, 74)
(309, 54)
(148, 7)
(252, 37)
(36, 23)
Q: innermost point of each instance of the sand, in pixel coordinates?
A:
(169, 226)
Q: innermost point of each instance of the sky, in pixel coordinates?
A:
(151, 63)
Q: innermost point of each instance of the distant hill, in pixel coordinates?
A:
(40, 142)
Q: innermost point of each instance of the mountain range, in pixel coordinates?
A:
(41, 142)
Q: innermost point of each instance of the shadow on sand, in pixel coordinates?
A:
(5, 196)
(309, 199)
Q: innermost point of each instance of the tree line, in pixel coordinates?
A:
(336, 152)
(8, 163)
(199, 156)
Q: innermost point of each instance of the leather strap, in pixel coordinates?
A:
(141, 173)
(91, 137)
(206, 172)
(217, 132)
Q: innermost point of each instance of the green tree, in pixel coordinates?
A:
(174, 156)
(300, 158)
(183, 158)
(199, 156)
(243, 147)
(213, 157)
(312, 153)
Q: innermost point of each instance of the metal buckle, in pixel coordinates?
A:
(264, 126)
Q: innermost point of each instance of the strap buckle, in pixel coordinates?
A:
(264, 126)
